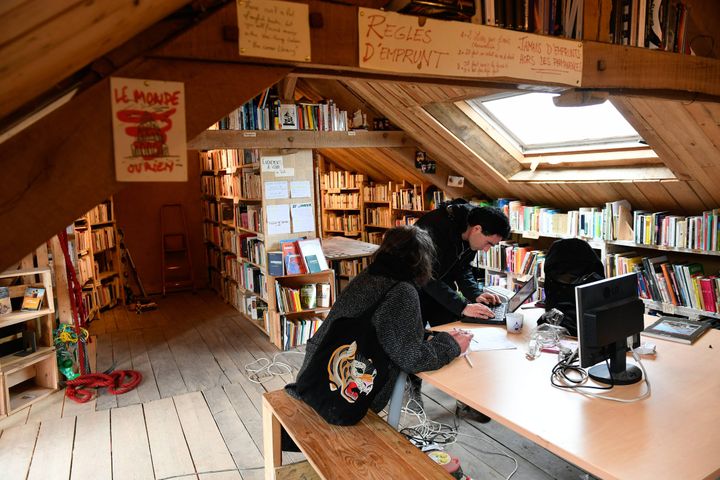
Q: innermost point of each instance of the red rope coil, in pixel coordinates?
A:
(115, 382)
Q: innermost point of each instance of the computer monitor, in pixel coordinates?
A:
(608, 312)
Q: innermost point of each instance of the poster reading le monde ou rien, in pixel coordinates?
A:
(148, 118)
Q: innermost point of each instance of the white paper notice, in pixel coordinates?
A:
(303, 219)
(276, 190)
(271, 164)
(278, 218)
(490, 339)
(300, 189)
(285, 172)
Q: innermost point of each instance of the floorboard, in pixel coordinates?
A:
(130, 449)
(170, 454)
(208, 450)
(16, 450)
(92, 448)
(52, 457)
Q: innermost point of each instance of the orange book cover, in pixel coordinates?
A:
(671, 290)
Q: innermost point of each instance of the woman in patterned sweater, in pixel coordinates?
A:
(374, 331)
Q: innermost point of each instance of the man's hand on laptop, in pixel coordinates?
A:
(488, 298)
(477, 310)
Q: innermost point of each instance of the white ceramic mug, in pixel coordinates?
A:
(514, 322)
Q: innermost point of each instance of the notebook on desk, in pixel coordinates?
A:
(507, 305)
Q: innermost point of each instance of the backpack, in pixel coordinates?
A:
(569, 262)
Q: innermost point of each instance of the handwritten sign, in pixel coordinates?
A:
(392, 42)
(274, 29)
(149, 130)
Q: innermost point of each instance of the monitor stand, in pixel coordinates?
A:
(620, 373)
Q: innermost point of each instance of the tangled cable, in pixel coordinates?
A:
(79, 389)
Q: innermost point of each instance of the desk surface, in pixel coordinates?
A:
(343, 248)
(675, 433)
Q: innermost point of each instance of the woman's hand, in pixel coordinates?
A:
(462, 338)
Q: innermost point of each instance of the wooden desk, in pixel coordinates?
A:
(343, 248)
(673, 434)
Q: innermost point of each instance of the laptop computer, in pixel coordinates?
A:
(507, 305)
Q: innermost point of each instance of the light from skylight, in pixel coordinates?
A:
(534, 122)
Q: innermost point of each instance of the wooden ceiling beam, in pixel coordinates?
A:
(335, 47)
(45, 41)
(63, 165)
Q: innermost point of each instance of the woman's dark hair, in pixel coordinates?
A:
(492, 220)
(409, 248)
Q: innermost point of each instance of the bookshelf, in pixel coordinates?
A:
(253, 199)
(33, 376)
(688, 246)
(342, 203)
(97, 258)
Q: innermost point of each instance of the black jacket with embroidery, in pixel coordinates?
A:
(451, 271)
(397, 321)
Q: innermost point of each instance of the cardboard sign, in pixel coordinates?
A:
(149, 138)
(392, 42)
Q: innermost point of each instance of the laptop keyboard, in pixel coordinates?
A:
(499, 310)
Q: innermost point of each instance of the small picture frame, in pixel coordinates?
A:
(455, 181)
(420, 158)
(287, 114)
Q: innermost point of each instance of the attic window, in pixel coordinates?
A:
(533, 124)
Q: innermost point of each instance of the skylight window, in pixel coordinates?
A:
(534, 124)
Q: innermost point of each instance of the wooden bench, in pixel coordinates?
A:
(372, 449)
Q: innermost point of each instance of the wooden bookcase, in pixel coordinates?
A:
(97, 258)
(27, 379)
(252, 200)
(342, 203)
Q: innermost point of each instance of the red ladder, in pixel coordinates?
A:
(177, 270)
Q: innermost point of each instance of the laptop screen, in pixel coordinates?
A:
(520, 297)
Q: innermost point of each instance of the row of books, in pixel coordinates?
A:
(656, 24)
(102, 239)
(546, 17)
(255, 309)
(341, 200)
(253, 279)
(297, 332)
(698, 232)
(82, 239)
(514, 258)
(353, 267)
(108, 294)
(250, 217)
(209, 210)
(407, 199)
(245, 185)
(228, 158)
(267, 112)
(373, 237)
(611, 222)
(339, 179)
(342, 223)
(307, 297)
(376, 192)
(680, 284)
(378, 216)
(297, 256)
(101, 213)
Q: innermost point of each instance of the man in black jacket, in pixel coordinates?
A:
(459, 230)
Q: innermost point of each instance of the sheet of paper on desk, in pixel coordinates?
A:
(489, 339)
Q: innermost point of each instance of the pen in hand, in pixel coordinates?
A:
(467, 359)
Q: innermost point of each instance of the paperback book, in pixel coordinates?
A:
(676, 329)
(33, 299)
(5, 305)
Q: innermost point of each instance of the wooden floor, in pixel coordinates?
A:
(197, 415)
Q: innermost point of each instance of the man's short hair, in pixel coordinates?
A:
(492, 220)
